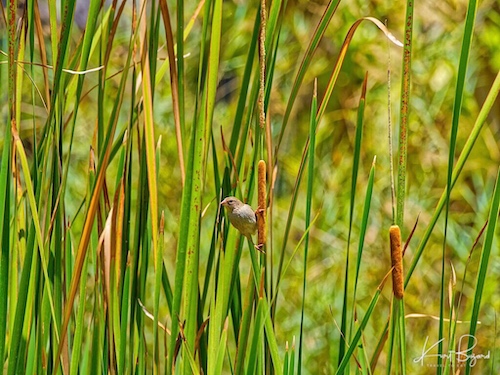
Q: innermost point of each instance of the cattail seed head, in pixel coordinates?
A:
(397, 261)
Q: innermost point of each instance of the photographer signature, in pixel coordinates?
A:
(460, 355)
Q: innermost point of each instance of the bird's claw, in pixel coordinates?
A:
(259, 211)
(259, 248)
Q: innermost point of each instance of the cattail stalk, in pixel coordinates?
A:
(262, 65)
(397, 261)
(261, 211)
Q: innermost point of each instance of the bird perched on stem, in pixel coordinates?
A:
(242, 216)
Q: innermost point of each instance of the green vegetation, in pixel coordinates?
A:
(121, 138)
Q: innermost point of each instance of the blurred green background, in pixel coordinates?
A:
(437, 41)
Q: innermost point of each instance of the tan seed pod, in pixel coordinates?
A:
(397, 261)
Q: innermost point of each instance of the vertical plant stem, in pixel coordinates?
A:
(345, 335)
(364, 228)
(457, 108)
(483, 268)
(389, 128)
(174, 82)
(5, 180)
(93, 205)
(404, 113)
(464, 155)
(310, 180)
(180, 65)
(261, 211)
(262, 61)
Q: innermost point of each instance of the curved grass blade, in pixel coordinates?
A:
(326, 17)
(457, 108)
(174, 81)
(340, 59)
(464, 155)
(364, 224)
(469, 144)
(187, 262)
(5, 199)
(5, 176)
(39, 237)
(254, 354)
(321, 110)
(92, 210)
(483, 267)
(245, 326)
(158, 278)
(357, 336)
(268, 324)
(222, 349)
(354, 179)
(151, 154)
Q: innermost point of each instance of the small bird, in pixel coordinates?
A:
(242, 216)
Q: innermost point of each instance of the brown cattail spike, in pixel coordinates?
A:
(397, 262)
(261, 210)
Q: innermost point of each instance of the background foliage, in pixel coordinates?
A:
(99, 236)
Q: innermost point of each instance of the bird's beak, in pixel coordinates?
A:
(224, 202)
